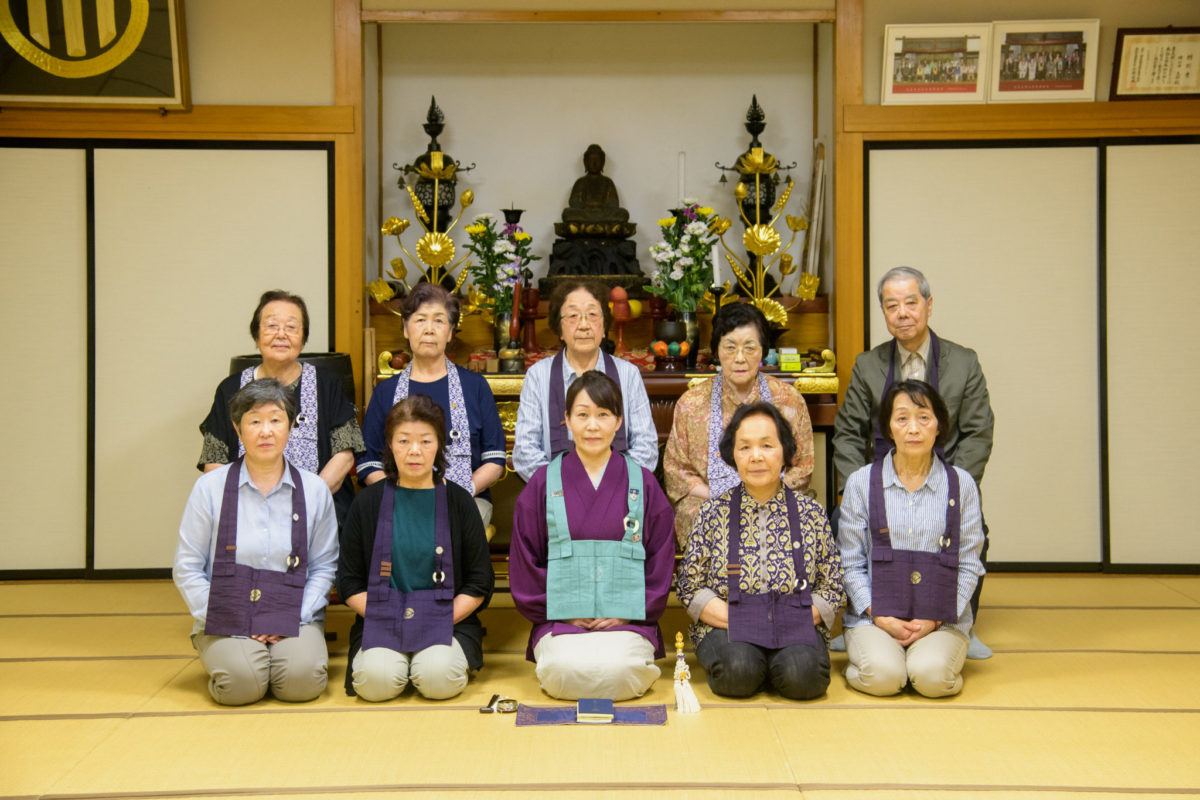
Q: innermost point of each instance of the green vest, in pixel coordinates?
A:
(589, 578)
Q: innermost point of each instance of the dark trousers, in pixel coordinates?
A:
(740, 669)
(836, 517)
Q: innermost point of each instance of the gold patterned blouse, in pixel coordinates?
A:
(767, 563)
(685, 459)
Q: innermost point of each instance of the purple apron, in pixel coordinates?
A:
(775, 619)
(242, 600)
(408, 622)
(912, 584)
(882, 445)
(559, 441)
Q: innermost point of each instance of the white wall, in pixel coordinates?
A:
(523, 101)
(265, 52)
(43, 324)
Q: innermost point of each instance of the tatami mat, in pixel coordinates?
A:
(1090, 591)
(421, 749)
(36, 598)
(1142, 630)
(942, 747)
(1092, 691)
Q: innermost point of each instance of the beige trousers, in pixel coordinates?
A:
(614, 665)
(880, 666)
(241, 670)
(438, 672)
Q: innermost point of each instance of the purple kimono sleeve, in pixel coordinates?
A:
(659, 540)
(527, 550)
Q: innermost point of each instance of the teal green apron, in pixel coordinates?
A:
(591, 578)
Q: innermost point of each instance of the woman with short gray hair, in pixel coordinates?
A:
(256, 558)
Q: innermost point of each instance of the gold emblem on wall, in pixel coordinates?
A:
(35, 48)
(96, 53)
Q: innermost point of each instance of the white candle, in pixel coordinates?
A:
(682, 176)
(716, 262)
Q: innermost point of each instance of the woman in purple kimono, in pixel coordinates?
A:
(761, 575)
(910, 537)
(414, 566)
(591, 557)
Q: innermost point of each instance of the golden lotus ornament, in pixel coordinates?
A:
(762, 240)
(381, 291)
(435, 249)
(807, 288)
(773, 310)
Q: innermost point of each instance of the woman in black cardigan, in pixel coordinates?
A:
(415, 567)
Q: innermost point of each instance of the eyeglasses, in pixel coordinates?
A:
(749, 349)
(273, 328)
(574, 318)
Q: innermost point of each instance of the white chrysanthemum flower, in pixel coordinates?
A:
(677, 274)
(698, 229)
(503, 246)
(482, 217)
(690, 201)
(686, 261)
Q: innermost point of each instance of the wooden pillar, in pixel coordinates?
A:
(348, 291)
(848, 192)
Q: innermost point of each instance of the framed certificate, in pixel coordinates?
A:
(1156, 63)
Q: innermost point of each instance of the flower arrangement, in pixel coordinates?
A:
(501, 260)
(684, 268)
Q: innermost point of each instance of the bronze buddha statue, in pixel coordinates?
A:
(594, 208)
(594, 235)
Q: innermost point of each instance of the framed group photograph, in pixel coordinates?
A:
(98, 54)
(1045, 60)
(935, 63)
(1156, 63)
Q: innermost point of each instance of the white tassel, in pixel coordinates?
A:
(685, 697)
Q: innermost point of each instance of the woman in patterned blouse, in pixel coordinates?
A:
(771, 546)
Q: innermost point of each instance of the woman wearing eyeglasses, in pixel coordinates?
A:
(580, 316)
(326, 435)
(692, 465)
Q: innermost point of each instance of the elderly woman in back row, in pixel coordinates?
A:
(256, 558)
(761, 575)
(693, 469)
(580, 316)
(475, 454)
(326, 435)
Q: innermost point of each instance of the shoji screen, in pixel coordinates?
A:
(1153, 352)
(1007, 238)
(43, 324)
(186, 241)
